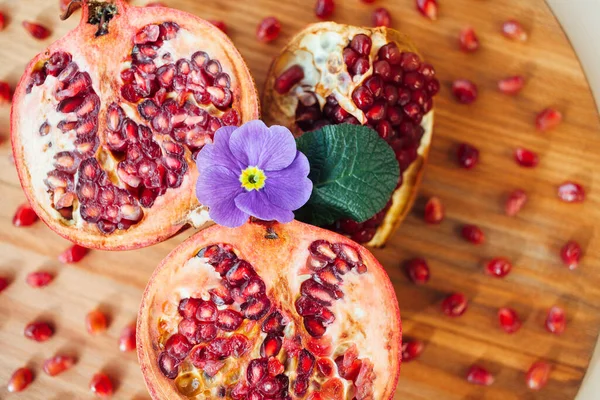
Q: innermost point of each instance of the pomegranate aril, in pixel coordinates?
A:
(168, 365)
(411, 349)
(455, 305)
(325, 367)
(511, 85)
(149, 33)
(473, 234)
(434, 211)
(256, 371)
(306, 362)
(2, 21)
(24, 216)
(410, 62)
(479, 376)
(513, 29)
(73, 254)
(417, 270)
(570, 253)
(268, 29)
(240, 273)
(324, 8)
(5, 94)
(3, 283)
(361, 43)
(538, 375)
(509, 320)
(429, 8)
(101, 385)
(571, 192)
(127, 339)
(362, 97)
(468, 40)
(556, 320)
(468, 155)
(498, 267)
(38, 331)
(515, 202)
(382, 17)
(256, 308)
(271, 346)
(96, 322)
(58, 364)
(36, 30)
(19, 380)
(526, 158)
(39, 279)
(229, 320)
(548, 119)
(314, 326)
(219, 24)
(464, 91)
(361, 66)
(275, 367)
(391, 53)
(289, 78)
(178, 346)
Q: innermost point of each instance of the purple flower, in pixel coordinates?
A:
(252, 170)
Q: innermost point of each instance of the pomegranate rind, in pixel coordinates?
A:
(272, 259)
(279, 110)
(177, 207)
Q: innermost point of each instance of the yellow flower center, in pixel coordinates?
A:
(253, 178)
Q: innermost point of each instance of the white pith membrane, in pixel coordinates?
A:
(366, 319)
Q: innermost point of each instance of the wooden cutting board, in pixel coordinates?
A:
(496, 124)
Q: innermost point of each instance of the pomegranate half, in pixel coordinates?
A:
(273, 311)
(106, 122)
(330, 74)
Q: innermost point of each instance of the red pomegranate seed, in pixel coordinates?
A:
(39, 279)
(498, 267)
(288, 79)
(468, 156)
(526, 158)
(473, 234)
(571, 254)
(455, 305)
(95, 322)
(127, 339)
(434, 211)
(514, 30)
(38, 331)
(417, 270)
(324, 8)
(219, 24)
(382, 17)
(36, 30)
(25, 216)
(479, 376)
(3, 283)
(537, 375)
(515, 201)
(509, 320)
(5, 95)
(101, 385)
(2, 21)
(468, 40)
(464, 91)
(58, 364)
(411, 349)
(548, 119)
(511, 85)
(73, 254)
(268, 29)
(571, 192)
(428, 8)
(556, 320)
(19, 380)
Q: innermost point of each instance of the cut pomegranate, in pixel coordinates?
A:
(38, 331)
(101, 385)
(468, 40)
(513, 29)
(428, 8)
(434, 211)
(219, 24)
(571, 192)
(25, 216)
(119, 135)
(498, 267)
(95, 322)
(571, 254)
(127, 339)
(324, 8)
(511, 85)
(515, 202)
(268, 29)
(538, 375)
(526, 158)
(464, 91)
(73, 254)
(455, 305)
(58, 364)
(468, 155)
(290, 330)
(5, 95)
(473, 234)
(417, 270)
(548, 119)
(19, 380)
(36, 30)
(372, 77)
(556, 320)
(509, 320)
(39, 279)
(411, 349)
(382, 17)
(479, 376)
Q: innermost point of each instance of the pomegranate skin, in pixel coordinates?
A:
(173, 210)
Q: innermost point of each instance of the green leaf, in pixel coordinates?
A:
(354, 173)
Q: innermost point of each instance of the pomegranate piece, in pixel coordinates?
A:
(101, 385)
(127, 339)
(526, 158)
(509, 320)
(479, 376)
(513, 29)
(58, 364)
(511, 85)
(434, 210)
(473, 234)
(468, 40)
(219, 24)
(39, 279)
(455, 305)
(96, 322)
(73, 254)
(382, 17)
(19, 380)
(464, 91)
(515, 202)
(411, 349)
(556, 320)
(548, 119)
(38, 331)
(538, 375)
(268, 29)
(36, 30)
(5, 95)
(25, 216)
(417, 270)
(429, 8)
(571, 192)
(468, 155)
(324, 8)
(498, 267)
(570, 253)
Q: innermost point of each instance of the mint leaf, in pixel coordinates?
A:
(354, 173)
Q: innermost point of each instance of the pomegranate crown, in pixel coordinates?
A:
(98, 13)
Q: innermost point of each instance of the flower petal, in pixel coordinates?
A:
(269, 149)
(218, 153)
(255, 203)
(217, 189)
(290, 188)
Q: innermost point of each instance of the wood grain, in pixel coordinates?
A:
(495, 124)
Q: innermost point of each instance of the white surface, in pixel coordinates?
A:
(581, 21)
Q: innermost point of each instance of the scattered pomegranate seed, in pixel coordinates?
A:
(38, 331)
(19, 380)
(428, 8)
(127, 338)
(58, 364)
(3, 283)
(511, 85)
(5, 95)
(479, 376)
(95, 322)
(548, 119)
(556, 320)
(382, 17)
(509, 320)
(417, 270)
(2, 21)
(526, 158)
(570, 254)
(101, 385)
(268, 29)
(468, 40)
(324, 8)
(515, 202)
(537, 375)
(473, 234)
(25, 216)
(219, 24)
(73, 254)
(455, 305)
(571, 192)
(434, 211)
(411, 349)
(468, 156)
(39, 279)
(464, 91)
(514, 30)
(498, 267)
(36, 30)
